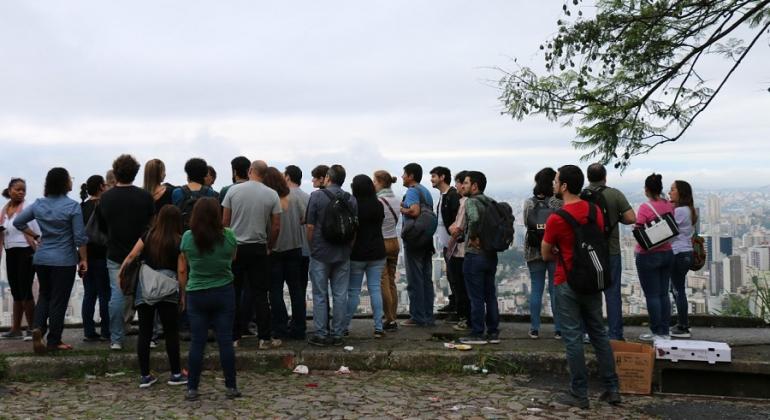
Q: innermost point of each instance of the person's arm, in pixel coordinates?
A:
(227, 215)
(22, 220)
(411, 204)
(547, 251)
(275, 229)
(135, 252)
(81, 239)
(181, 276)
(629, 217)
(309, 232)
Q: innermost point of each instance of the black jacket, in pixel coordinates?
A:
(450, 204)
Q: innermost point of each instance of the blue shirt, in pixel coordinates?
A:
(61, 224)
(320, 249)
(413, 196)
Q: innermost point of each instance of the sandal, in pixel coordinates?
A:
(61, 346)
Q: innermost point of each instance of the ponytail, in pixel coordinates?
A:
(83, 192)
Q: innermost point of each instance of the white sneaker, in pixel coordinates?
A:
(27, 335)
(116, 347)
(661, 337)
(153, 344)
(647, 337)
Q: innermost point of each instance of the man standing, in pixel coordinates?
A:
(298, 287)
(480, 266)
(319, 176)
(577, 310)
(446, 210)
(419, 269)
(126, 212)
(253, 212)
(329, 260)
(456, 257)
(240, 166)
(616, 209)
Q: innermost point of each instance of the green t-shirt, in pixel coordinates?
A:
(212, 269)
(617, 204)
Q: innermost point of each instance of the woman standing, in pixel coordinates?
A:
(209, 249)
(96, 282)
(286, 261)
(686, 218)
(154, 175)
(159, 250)
(368, 255)
(391, 204)
(654, 265)
(536, 210)
(61, 224)
(19, 249)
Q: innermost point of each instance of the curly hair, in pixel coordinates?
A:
(125, 168)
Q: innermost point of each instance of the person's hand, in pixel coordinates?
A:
(82, 268)
(182, 299)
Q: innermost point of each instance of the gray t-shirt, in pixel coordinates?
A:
(251, 204)
(292, 234)
(304, 198)
(617, 204)
(320, 249)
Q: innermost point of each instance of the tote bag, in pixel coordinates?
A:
(657, 231)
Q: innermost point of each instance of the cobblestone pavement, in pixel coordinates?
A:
(384, 394)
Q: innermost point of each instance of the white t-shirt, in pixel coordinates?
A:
(441, 232)
(15, 238)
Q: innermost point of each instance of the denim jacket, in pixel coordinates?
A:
(61, 223)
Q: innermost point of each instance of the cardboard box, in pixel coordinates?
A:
(634, 363)
(699, 351)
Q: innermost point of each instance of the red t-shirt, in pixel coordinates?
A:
(558, 233)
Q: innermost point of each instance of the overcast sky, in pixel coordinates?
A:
(370, 85)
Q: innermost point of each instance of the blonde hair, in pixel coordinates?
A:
(154, 170)
(384, 178)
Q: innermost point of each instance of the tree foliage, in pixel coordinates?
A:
(630, 77)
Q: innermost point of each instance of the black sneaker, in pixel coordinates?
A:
(570, 400)
(680, 332)
(534, 334)
(611, 397)
(346, 333)
(232, 393)
(493, 338)
(473, 339)
(336, 341)
(447, 308)
(12, 335)
(317, 340)
(147, 381)
(192, 395)
(557, 335)
(390, 326)
(92, 339)
(379, 334)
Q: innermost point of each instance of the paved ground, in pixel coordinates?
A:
(384, 394)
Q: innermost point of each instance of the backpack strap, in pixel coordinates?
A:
(568, 218)
(393, 212)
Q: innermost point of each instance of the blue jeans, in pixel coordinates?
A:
(55, 287)
(654, 273)
(419, 285)
(537, 271)
(322, 275)
(479, 272)
(117, 300)
(679, 271)
(613, 300)
(578, 311)
(373, 271)
(205, 308)
(96, 283)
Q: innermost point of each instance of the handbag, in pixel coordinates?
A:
(156, 286)
(96, 235)
(657, 231)
(128, 277)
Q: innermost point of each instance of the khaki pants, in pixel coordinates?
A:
(388, 281)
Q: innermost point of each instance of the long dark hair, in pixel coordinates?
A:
(165, 235)
(544, 182)
(91, 186)
(363, 187)
(654, 184)
(56, 182)
(274, 179)
(684, 190)
(206, 225)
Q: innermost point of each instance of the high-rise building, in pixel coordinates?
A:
(736, 272)
(714, 209)
(726, 245)
(716, 278)
(759, 257)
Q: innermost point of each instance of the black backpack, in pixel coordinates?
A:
(496, 226)
(340, 222)
(596, 196)
(188, 202)
(590, 255)
(417, 232)
(536, 219)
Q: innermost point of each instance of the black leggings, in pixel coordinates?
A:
(169, 317)
(18, 262)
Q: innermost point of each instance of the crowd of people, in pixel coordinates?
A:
(188, 259)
